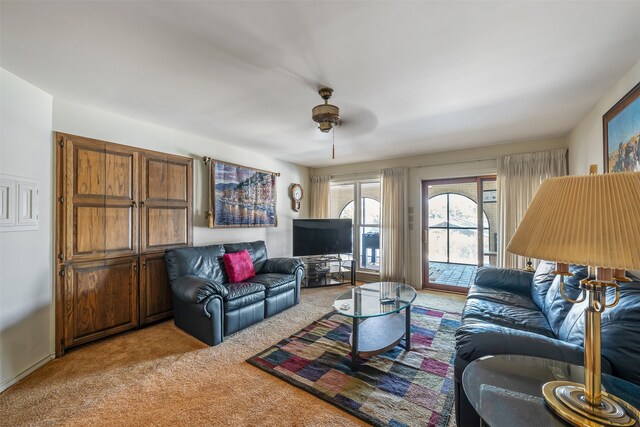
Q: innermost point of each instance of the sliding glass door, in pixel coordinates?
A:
(459, 230)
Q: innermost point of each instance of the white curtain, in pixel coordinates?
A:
(393, 238)
(319, 205)
(519, 177)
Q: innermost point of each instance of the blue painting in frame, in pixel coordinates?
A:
(621, 126)
(242, 196)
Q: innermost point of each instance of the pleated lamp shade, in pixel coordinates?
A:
(589, 220)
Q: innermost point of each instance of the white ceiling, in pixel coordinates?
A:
(409, 77)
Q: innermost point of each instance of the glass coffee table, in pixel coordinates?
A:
(378, 325)
(506, 390)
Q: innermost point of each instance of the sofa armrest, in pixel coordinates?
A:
(503, 278)
(477, 340)
(282, 265)
(196, 289)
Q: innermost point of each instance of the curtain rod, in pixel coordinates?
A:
(206, 161)
(416, 166)
(355, 174)
(483, 159)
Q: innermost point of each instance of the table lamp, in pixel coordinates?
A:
(591, 220)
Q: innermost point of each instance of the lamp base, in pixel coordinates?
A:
(567, 400)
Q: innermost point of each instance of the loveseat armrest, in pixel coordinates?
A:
(282, 265)
(196, 289)
(476, 340)
(504, 278)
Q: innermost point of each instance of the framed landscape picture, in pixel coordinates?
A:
(621, 127)
(241, 196)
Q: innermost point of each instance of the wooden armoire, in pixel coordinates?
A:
(118, 208)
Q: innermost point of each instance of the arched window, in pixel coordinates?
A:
(347, 211)
(453, 229)
(370, 211)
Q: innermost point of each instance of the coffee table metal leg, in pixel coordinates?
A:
(354, 345)
(407, 336)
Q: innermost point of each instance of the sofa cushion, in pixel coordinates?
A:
(275, 283)
(501, 296)
(257, 250)
(203, 261)
(237, 290)
(542, 280)
(243, 301)
(195, 289)
(243, 294)
(555, 306)
(238, 266)
(508, 279)
(510, 316)
(620, 331)
(282, 265)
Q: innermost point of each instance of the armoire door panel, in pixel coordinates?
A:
(119, 175)
(155, 292)
(100, 199)
(119, 235)
(166, 226)
(156, 178)
(165, 179)
(88, 169)
(100, 299)
(177, 181)
(99, 171)
(89, 230)
(84, 199)
(166, 193)
(104, 230)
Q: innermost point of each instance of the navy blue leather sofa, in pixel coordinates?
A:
(516, 312)
(208, 307)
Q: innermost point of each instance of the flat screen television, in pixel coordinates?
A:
(322, 237)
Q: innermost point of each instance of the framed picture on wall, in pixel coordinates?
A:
(489, 196)
(240, 196)
(621, 128)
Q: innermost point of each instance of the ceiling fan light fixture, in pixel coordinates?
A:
(326, 115)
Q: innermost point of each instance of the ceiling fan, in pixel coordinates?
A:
(327, 116)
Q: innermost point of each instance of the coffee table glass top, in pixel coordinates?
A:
(375, 299)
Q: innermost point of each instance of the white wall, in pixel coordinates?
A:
(586, 138)
(84, 121)
(449, 164)
(26, 276)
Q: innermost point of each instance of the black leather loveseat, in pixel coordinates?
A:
(515, 312)
(208, 307)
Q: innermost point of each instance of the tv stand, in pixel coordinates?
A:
(328, 270)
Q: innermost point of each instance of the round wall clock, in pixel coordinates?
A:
(295, 191)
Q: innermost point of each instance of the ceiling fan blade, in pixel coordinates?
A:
(356, 120)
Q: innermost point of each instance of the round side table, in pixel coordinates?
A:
(506, 390)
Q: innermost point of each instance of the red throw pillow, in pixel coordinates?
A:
(239, 266)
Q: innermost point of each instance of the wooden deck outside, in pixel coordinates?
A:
(461, 275)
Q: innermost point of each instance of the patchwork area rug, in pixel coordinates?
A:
(396, 388)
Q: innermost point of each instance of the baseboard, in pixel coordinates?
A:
(8, 383)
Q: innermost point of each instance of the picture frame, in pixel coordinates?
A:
(621, 134)
(241, 196)
(489, 196)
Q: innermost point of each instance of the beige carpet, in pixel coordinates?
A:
(161, 376)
